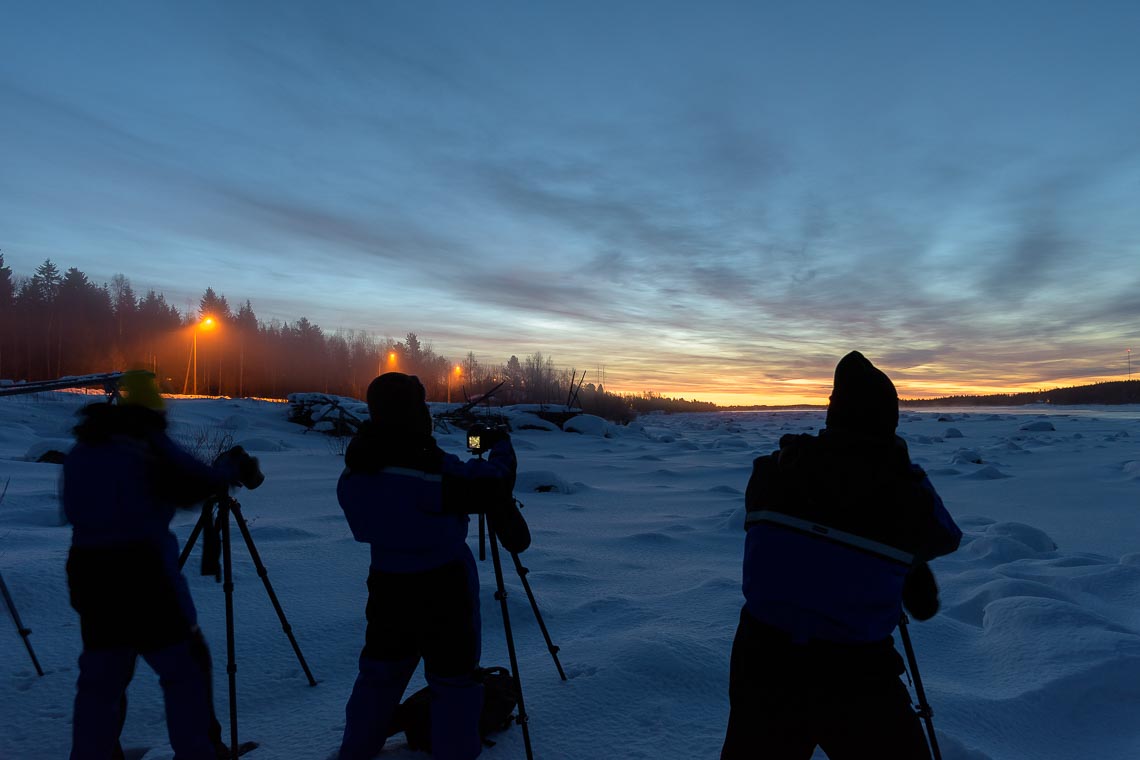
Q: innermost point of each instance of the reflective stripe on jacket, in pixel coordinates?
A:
(122, 482)
(416, 518)
(872, 513)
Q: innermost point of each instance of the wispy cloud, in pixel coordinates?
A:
(712, 203)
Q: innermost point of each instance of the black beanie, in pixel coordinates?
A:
(863, 399)
(397, 404)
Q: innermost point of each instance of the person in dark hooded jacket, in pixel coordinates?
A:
(839, 528)
(120, 487)
(410, 501)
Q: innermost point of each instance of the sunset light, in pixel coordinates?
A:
(724, 235)
(795, 327)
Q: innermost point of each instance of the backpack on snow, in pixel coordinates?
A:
(500, 698)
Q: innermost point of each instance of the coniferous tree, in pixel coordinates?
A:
(125, 307)
(47, 280)
(56, 324)
(7, 287)
(413, 354)
(83, 314)
(213, 305)
(245, 331)
(305, 341)
(212, 343)
(7, 305)
(338, 363)
(36, 301)
(162, 343)
(516, 382)
(246, 320)
(366, 361)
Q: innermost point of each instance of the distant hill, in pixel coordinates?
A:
(1117, 392)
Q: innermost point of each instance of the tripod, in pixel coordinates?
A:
(19, 624)
(486, 530)
(924, 710)
(226, 506)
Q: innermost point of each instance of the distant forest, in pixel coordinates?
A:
(1115, 392)
(55, 324)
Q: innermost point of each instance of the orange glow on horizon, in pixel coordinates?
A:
(815, 391)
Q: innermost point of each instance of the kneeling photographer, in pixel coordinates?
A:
(410, 501)
(120, 488)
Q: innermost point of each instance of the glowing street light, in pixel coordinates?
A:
(458, 371)
(391, 363)
(206, 324)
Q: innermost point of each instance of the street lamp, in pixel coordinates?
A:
(391, 364)
(206, 324)
(458, 370)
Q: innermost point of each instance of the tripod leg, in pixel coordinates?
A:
(190, 541)
(522, 571)
(924, 709)
(482, 537)
(501, 595)
(235, 509)
(24, 632)
(231, 660)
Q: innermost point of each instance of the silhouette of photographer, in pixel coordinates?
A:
(408, 499)
(839, 528)
(120, 487)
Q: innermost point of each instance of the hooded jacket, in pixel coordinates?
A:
(881, 512)
(125, 477)
(837, 521)
(121, 485)
(410, 500)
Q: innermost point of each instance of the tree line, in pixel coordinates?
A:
(1111, 392)
(55, 324)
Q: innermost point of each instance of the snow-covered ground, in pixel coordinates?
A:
(636, 567)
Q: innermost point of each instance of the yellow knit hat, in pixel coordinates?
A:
(138, 387)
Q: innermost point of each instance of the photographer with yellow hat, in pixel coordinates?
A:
(120, 488)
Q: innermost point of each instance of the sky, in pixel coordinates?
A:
(714, 200)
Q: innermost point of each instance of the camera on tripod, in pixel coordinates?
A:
(245, 471)
(246, 467)
(482, 437)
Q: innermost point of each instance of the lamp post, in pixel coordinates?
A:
(458, 369)
(207, 323)
(391, 364)
(241, 364)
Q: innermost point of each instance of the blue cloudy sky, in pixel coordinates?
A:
(708, 198)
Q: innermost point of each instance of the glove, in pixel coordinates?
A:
(482, 437)
(507, 522)
(494, 434)
(240, 467)
(920, 592)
